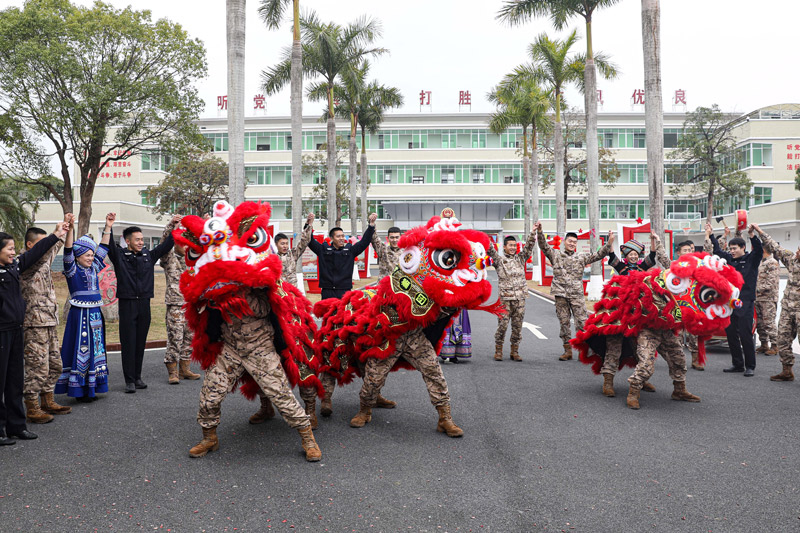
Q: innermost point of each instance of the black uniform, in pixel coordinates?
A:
(134, 273)
(623, 268)
(740, 331)
(12, 314)
(336, 265)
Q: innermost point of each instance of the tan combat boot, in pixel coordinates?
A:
(785, 375)
(185, 371)
(264, 413)
(763, 348)
(313, 453)
(608, 385)
(446, 424)
(311, 411)
(696, 361)
(363, 416)
(210, 443)
(383, 403)
(49, 405)
(648, 387)
(172, 370)
(567, 352)
(633, 396)
(498, 352)
(680, 393)
(326, 406)
(34, 413)
(515, 353)
(773, 350)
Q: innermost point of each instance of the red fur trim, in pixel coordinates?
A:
(432, 222)
(477, 236)
(412, 237)
(701, 350)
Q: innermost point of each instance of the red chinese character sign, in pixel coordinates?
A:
(600, 100)
(222, 103)
(425, 100)
(679, 100)
(260, 104)
(464, 100)
(637, 98)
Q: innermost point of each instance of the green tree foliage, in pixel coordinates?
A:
(191, 186)
(18, 205)
(97, 84)
(315, 165)
(707, 159)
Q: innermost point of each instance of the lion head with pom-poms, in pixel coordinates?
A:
(228, 254)
(698, 293)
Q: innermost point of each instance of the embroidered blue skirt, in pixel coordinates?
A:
(83, 354)
(458, 338)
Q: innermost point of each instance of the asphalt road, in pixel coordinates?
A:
(543, 450)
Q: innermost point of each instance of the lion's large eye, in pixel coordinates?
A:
(258, 238)
(708, 295)
(214, 224)
(192, 255)
(446, 259)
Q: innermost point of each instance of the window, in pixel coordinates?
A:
(638, 140)
(671, 137)
(155, 160)
(448, 175)
(478, 175)
(218, 141)
(418, 180)
(762, 195)
(624, 209)
(608, 140)
(762, 155)
(147, 199)
(576, 209)
(263, 175)
(508, 179)
(387, 176)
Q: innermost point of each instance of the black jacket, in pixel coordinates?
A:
(623, 268)
(336, 266)
(12, 306)
(134, 271)
(747, 265)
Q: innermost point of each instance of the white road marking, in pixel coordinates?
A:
(542, 298)
(535, 330)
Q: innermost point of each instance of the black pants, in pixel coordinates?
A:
(333, 293)
(12, 377)
(134, 323)
(740, 337)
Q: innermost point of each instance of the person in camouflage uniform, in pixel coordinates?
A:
(248, 346)
(767, 290)
(665, 342)
(567, 286)
(688, 340)
(388, 255)
(790, 304)
(42, 354)
(178, 355)
(510, 268)
(290, 257)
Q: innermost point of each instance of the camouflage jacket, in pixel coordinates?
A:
(174, 265)
(661, 255)
(36, 284)
(511, 270)
(791, 295)
(768, 279)
(568, 268)
(290, 258)
(388, 257)
(251, 332)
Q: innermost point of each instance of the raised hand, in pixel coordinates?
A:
(709, 230)
(751, 230)
(110, 219)
(372, 218)
(727, 232)
(610, 237)
(62, 228)
(176, 219)
(310, 218)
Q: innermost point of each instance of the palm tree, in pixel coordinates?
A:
(524, 103)
(331, 52)
(271, 12)
(14, 216)
(235, 18)
(654, 112)
(560, 11)
(375, 100)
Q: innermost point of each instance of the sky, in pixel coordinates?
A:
(733, 53)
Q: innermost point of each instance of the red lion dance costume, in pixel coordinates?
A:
(400, 322)
(698, 293)
(249, 327)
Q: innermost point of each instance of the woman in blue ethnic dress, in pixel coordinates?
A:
(83, 352)
(457, 342)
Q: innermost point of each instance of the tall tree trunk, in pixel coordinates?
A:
(353, 178)
(331, 175)
(364, 182)
(235, 15)
(534, 189)
(595, 287)
(526, 182)
(654, 111)
(85, 209)
(297, 128)
(558, 164)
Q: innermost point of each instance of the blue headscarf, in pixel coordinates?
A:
(83, 245)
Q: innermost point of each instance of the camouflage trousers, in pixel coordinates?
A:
(179, 336)
(667, 344)
(415, 348)
(689, 341)
(566, 307)
(613, 354)
(264, 365)
(515, 315)
(787, 332)
(765, 325)
(309, 394)
(42, 359)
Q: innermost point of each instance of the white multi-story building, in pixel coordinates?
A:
(419, 163)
